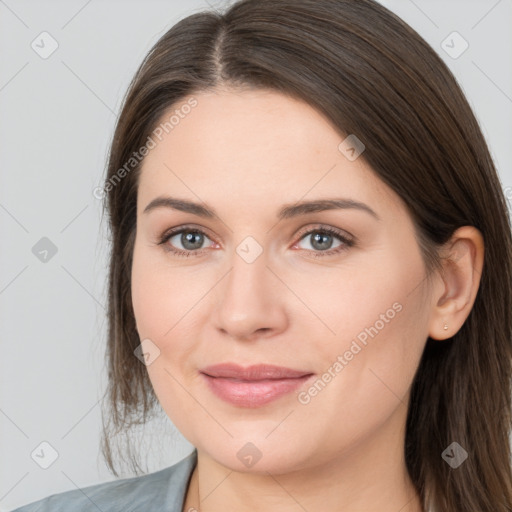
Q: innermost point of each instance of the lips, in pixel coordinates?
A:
(253, 386)
(255, 372)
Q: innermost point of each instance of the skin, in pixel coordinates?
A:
(246, 153)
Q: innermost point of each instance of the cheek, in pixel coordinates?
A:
(363, 384)
(378, 329)
(161, 294)
(349, 300)
(375, 363)
(161, 297)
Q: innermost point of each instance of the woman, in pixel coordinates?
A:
(311, 256)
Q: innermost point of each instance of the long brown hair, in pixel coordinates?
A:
(371, 75)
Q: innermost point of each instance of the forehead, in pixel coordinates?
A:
(255, 147)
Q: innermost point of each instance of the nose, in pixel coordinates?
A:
(250, 301)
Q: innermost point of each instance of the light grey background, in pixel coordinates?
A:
(57, 117)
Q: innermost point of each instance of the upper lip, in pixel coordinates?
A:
(254, 372)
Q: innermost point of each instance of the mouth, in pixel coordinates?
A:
(253, 386)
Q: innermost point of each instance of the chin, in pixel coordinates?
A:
(259, 455)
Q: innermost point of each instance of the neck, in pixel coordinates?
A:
(371, 476)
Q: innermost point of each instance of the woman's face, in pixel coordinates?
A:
(251, 286)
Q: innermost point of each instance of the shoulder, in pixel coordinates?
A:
(154, 491)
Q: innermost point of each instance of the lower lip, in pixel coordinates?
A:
(252, 393)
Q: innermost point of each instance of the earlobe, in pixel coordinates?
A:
(462, 264)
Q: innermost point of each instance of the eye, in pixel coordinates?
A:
(321, 241)
(190, 239)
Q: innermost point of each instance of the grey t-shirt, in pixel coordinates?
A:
(162, 491)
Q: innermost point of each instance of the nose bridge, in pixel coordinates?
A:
(247, 281)
(248, 300)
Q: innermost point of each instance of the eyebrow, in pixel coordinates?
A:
(286, 212)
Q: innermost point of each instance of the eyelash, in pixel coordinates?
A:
(317, 254)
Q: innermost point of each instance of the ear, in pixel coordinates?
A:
(458, 283)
